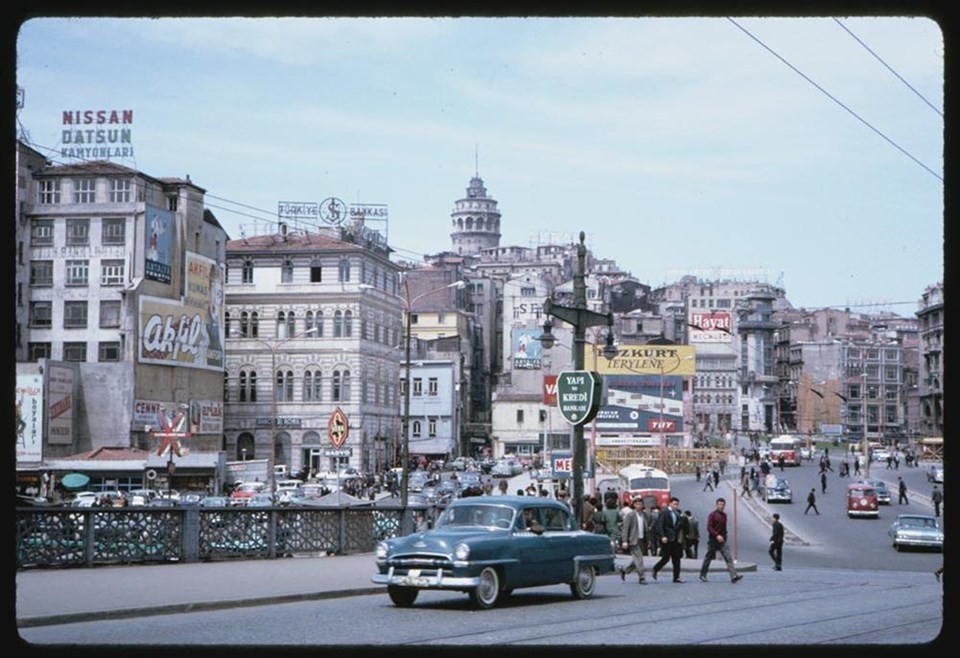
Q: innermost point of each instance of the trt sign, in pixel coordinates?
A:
(578, 395)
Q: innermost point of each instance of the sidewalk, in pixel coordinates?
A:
(57, 596)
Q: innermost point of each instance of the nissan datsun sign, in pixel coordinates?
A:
(578, 395)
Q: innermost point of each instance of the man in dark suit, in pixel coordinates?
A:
(776, 543)
(671, 530)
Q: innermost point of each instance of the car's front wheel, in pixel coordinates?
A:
(486, 594)
(585, 583)
(402, 597)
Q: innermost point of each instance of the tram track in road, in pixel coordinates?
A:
(765, 613)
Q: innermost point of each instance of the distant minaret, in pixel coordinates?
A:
(475, 218)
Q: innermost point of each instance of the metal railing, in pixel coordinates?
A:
(87, 537)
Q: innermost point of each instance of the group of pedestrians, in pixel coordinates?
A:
(678, 536)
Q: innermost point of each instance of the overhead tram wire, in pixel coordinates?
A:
(836, 100)
(268, 218)
(889, 68)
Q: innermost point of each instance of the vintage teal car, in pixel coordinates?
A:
(488, 546)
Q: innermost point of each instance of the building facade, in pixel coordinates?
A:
(119, 315)
(313, 324)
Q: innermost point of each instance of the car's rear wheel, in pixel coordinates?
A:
(402, 597)
(487, 593)
(585, 583)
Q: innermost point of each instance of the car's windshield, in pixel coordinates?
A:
(918, 523)
(497, 516)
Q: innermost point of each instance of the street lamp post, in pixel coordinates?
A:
(580, 317)
(405, 444)
(271, 476)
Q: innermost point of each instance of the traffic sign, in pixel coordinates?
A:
(578, 395)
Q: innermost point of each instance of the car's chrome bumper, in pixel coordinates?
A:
(434, 580)
(919, 542)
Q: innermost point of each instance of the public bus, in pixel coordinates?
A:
(651, 484)
(789, 447)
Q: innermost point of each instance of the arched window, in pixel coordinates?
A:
(243, 386)
(335, 390)
(345, 386)
(344, 270)
(254, 324)
(291, 324)
(416, 428)
(312, 389)
(307, 322)
(319, 324)
(244, 324)
(337, 324)
(246, 447)
(284, 387)
(286, 271)
(247, 271)
(226, 387)
(226, 324)
(348, 323)
(281, 324)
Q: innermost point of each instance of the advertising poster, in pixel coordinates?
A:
(29, 401)
(188, 333)
(159, 251)
(641, 403)
(527, 350)
(60, 407)
(206, 417)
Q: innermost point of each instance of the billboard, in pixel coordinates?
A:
(710, 327)
(29, 403)
(60, 407)
(647, 360)
(641, 403)
(527, 352)
(206, 417)
(190, 332)
(158, 255)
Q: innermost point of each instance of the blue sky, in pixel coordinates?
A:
(676, 144)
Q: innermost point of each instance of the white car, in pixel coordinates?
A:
(935, 474)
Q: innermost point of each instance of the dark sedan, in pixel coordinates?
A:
(489, 546)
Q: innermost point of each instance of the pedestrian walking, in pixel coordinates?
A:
(671, 530)
(716, 476)
(708, 482)
(717, 542)
(812, 502)
(902, 490)
(745, 486)
(936, 496)
(631, 538)
(776, 543)
(691, 541)
(856, 465)
(823, 481)
(781, 462)
(698, 472)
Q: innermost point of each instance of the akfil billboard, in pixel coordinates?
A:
(189, 332)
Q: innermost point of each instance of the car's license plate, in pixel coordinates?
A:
(414, 581)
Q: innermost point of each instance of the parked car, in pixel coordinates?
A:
(489, 546)
(188, 498)
(84, 499)
(164, 502)
(260, 500)
(215, 501)
(883, 493)
(881, 454)
(779, 491)
(444, 492)
(245, 491)
(935, 474)
(506, 468)
(461, 464)
(916, 531)
(142, 496)
(420, 479)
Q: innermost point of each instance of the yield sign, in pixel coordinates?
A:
(338, 428)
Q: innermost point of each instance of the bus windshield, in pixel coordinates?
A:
(649, 482)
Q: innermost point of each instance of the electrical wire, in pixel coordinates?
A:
(889, 68)
(837, 101)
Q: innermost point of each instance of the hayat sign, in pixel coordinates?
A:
(710, 327)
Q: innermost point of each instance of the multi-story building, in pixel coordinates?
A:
(930, 315)
(314, 347)
(119, 319)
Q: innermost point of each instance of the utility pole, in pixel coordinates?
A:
(580, 317)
